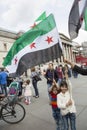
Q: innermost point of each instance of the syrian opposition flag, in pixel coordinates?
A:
(76, 17)
(39, 45)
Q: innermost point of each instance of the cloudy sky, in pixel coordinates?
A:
(16, 15)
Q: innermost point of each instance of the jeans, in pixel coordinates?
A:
(4, 89)
(59, 81)
(72, 118)
(48, 87)
(34, 82)
(58, 118)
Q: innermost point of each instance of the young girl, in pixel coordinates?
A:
(53, 91)
(27, 92)
(67, 105)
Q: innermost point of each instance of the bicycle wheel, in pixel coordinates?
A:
(13, 114)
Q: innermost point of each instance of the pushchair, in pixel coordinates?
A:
(13, 92)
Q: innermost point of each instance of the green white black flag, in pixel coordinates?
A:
(39, 45)
(77, 15)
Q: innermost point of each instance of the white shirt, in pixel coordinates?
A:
(63, 98)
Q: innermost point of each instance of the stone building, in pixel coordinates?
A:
(7, 38)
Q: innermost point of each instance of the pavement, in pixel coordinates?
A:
(39, 114)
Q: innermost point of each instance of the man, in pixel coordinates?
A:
(3, 81)
(51, 74)
(76, 68)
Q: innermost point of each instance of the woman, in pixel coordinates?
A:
(34, 74)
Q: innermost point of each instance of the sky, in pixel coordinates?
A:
(19, 15)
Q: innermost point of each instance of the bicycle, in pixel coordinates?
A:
(11, 111)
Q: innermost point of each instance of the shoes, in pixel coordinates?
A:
(36, 96)
(26, 102)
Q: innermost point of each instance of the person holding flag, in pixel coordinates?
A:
(76, 68)
(51, 75)
(66, 104)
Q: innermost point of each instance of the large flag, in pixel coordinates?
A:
(76, 17)
(39, 45)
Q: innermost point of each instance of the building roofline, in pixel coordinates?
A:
(65, 37)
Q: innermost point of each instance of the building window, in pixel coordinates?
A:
(5, 46)
(3, 58)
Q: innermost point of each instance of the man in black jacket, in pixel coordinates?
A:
(51, 74)
(76, 68)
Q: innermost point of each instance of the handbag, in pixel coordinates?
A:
(37, 78)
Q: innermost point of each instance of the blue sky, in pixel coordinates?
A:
(20, 15)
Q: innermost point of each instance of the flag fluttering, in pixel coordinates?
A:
(41, 17)
(38, 45)
(76, 17)
(85, 19)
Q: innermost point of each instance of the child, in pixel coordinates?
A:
(66, 104)
(27, 92)
(53, 91)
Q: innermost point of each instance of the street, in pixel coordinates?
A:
(39, 115)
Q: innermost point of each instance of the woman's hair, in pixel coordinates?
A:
(32, 69)
(63, 83)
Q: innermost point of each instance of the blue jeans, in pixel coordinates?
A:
(4, 89)
(59, 81)
(48, 86)
(72, 118)
(34, 82)
(58, 118)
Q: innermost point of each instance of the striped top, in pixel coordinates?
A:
(53, 100)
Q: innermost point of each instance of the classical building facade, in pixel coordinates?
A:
(7, 38)
(68, 51)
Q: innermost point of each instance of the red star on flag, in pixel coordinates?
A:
(33, 25)
(81, 19)
(15, 60)
(32, 45)
(49, 39)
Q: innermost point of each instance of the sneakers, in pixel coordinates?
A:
(36, 96)
(26, 102)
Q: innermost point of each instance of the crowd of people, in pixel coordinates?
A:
(59, 90)
(60, 96)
